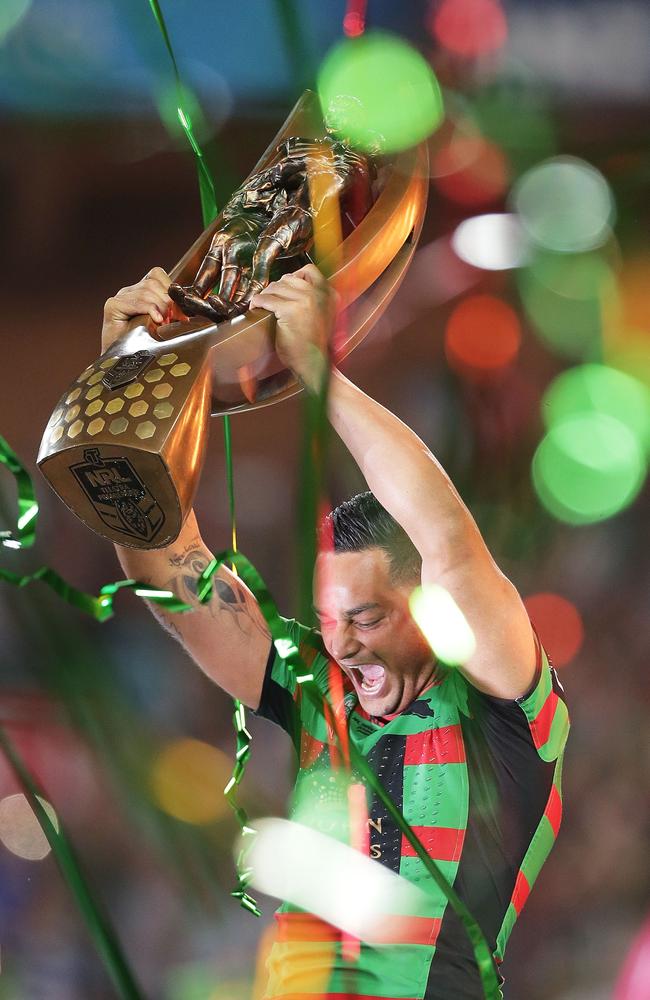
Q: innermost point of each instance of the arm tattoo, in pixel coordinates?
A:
(228, 596)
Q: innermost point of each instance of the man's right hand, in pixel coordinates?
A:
(148, 297)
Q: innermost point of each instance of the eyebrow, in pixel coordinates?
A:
(352, 612)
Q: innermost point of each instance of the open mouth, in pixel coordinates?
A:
(369, 677)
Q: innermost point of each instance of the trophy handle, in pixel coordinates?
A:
(125, 445)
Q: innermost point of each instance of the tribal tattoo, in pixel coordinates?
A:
(228, 594)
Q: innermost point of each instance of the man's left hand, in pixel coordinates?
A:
(304, 306)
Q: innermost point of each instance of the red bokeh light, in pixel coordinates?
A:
(470, 170)
(558, 624)
(470, 28)
(483, 335)
(354, 22)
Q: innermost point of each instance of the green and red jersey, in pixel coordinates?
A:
(479, 781)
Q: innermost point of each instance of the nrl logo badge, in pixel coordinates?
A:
(118, 495)
(127, 369)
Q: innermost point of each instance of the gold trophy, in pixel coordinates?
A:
(125, 445)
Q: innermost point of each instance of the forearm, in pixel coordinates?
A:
(227, 636)
(152, 565)
(401, 471)
(155, 566)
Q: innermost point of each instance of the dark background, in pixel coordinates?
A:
(94, 191)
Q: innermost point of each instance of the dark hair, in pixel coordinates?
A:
(362, 523)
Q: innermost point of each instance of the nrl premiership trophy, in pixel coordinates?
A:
(125, 445)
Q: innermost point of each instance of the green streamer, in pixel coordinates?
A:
(25, 534)
(209, 212)
(294, 43)
(99, 607)
(206, 184)
(97, 922)
(230, 479)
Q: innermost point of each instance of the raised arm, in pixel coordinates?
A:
(412, 485)
(227, 637)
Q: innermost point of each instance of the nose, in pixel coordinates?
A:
(341, 641)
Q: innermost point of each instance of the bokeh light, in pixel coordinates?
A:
(187, 780)
(396, 95)
(482, 336)
(471, 171)
(358, 895)
(443, 624)
(494, 242)
(204, 981)
(516, 118)
(632, 356)
(11, 13)
(598, 388)
(558, 625)
(588, 468)
(634, 976)
(174, 102)
(566, 297)
(565, 204)
(470, 27)
(354, 21)
(20, 831)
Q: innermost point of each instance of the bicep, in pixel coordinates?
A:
(227, 636)
(504, 659)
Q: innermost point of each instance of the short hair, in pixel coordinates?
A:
(362, 523)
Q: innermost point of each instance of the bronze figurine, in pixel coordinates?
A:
(270, 217)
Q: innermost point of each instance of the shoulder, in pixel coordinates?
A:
(540, 716)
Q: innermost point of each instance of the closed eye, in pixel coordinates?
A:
(368, 624)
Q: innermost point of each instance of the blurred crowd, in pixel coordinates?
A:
(91, 201)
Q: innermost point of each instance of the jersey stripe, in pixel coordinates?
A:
(521, 892)
(553, 811)
(559, 731)
(396, 929)
(435, 746)
(442, 843)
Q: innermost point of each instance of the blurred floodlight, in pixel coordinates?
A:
(20, 831)
(470, 27)
(631, 355)
(588, 468)
(482, 336)
(378, 87)
(329, 879)
(493, 242)
(443, 624)
(598, 388)
(204, 980)
(558, 624)
(589, 51)
(187, 780)
(11, 13)
(471, 170)
(565, 205)
(565, 297)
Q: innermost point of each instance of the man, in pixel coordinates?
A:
(472, 756)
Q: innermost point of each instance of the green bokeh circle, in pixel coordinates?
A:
(587, 468)
(398, 96)
(564, 296)
(565, 204)
(598, 388)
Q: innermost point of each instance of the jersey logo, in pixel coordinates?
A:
(422, 709)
